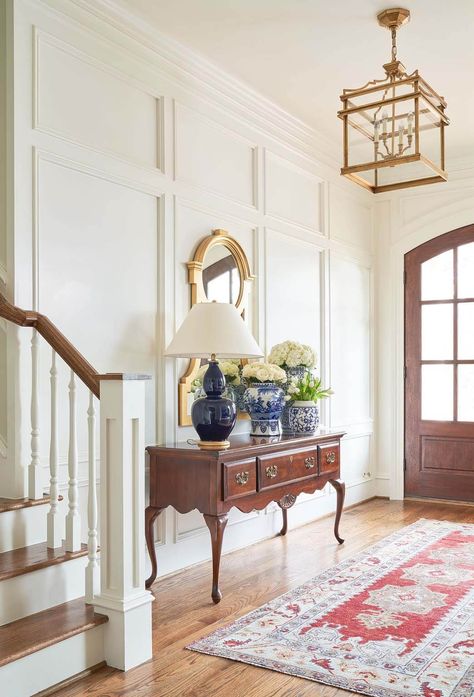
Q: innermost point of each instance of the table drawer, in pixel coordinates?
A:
(239, 479)
(329, 458)
(274, 470)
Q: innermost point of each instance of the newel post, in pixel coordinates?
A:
(123, 597)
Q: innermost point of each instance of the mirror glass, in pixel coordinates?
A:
(220, 275)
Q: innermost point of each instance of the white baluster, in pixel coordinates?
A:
(73, 519)
(35, 489)
(54, 526)
(92, 570)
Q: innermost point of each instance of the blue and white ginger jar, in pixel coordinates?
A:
(303, 417)
(264, 401)
(297, 372)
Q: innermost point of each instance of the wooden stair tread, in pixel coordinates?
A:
(15, 504)
(26, 559)
(36, 632)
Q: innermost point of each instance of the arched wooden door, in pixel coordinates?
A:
(439, 367)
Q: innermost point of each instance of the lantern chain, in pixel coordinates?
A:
(394, 43)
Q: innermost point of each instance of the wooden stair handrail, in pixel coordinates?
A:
(57, 341)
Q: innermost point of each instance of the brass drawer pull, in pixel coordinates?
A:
(242, 478)
(331, 457)
(271, 471)
(309, 463)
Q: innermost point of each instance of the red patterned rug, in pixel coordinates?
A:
(395, 621)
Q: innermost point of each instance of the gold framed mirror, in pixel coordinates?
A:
(218, 271)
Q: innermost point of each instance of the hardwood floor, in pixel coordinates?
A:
(183, 610)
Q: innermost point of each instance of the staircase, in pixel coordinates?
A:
(65, 606)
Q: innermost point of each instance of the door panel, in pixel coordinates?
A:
(439, 367)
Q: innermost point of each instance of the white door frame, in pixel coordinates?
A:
(427, 227)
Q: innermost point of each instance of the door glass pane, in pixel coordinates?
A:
(466, 392)
(437, 277)
(437, 392)
(437, 332)
(466, 331)
(466, 270)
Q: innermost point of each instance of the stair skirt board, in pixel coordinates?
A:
(39, 590)
(53, 664)
(23, 527)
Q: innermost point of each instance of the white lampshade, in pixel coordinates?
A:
(214, 328)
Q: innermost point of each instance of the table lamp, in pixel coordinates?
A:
(210, 330)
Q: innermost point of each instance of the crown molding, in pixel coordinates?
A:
(192, 70)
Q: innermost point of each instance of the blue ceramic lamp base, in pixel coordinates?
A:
(213, 416)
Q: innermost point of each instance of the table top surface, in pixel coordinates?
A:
(245, 440)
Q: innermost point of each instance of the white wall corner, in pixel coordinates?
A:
(3, 447)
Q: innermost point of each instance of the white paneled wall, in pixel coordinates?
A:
(138, 150)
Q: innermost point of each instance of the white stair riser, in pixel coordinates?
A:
(23, 527)
(52, 665)
(39, 590)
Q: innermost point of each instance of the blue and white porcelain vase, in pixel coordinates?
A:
(264, 401)
(298, 372)
(303, 417)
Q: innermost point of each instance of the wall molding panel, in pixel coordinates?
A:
(225, 163)
(292, 194)
(90, 87)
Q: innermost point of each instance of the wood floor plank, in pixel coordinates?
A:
(183, 611)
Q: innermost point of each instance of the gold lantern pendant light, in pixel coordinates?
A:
(393, 128)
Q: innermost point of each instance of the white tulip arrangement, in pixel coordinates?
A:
(290, 354)
(308, 389)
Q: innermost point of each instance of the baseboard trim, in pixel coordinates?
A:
(446, 502)
(70, 681)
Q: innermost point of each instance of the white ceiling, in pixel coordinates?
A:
(302, 53)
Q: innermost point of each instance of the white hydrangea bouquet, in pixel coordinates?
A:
(292, 354)
(231, 370)
(263, 372)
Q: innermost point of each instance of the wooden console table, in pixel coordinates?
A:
(249, 475)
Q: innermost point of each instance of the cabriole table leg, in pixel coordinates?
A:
(216, 525)
(151, 513)
(340, 488)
